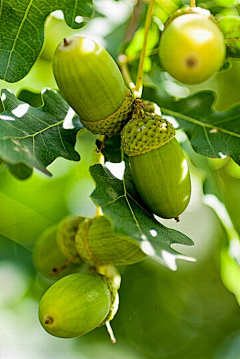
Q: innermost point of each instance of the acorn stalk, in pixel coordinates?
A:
(157, 163)
(92, 84)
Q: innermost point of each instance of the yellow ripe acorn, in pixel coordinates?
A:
(157, 163)
(77, 304)
(98, 245)
(192, 46)
(92, 84)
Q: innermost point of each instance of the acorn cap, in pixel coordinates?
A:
(65, 237)
(98, 244)
(114, 123)
(114, 299)
(111, 277)
(81, 243)
(151, 107)
(191, 10)
(145, 133)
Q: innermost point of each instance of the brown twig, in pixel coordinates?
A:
(134, 21)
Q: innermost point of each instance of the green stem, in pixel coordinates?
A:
(123, 60)
(139, 83)
(100, 161)
(123, 63)
(192, 3)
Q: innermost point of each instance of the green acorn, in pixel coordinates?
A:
(77, 304)
(98, 245)
(48, 260)
(66, 232)
(192, 47)
(92, 84)
(158, 166)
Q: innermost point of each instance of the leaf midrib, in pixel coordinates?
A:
(199, 123)
(16, 38)
(34, 134)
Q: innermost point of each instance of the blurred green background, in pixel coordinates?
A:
(185, 314)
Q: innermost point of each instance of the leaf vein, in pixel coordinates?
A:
(208, 140)
(16, 38)
(61, 140)
(199, 123)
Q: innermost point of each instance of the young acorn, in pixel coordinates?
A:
(157, 164)
(77, 304)
(92, 84)
(192, 47)
(98, 245)
(66, 232)
(47, 258)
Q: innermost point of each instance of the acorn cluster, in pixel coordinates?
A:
(92, 84)
(80, 255)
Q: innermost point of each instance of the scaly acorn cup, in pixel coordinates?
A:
(66, 232)
(111, 277)
(98, 245)
(47, 258)
(76, 304)
(92, 84)
(108, 271)
(157, 163)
